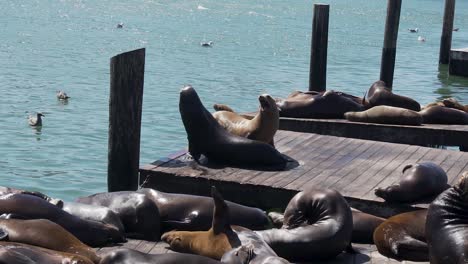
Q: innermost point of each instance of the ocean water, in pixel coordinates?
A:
(259, 47)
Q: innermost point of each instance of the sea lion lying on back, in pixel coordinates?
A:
(380, 94)
(262, 126)
(384, 114)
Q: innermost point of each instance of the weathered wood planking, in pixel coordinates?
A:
(425, 135)
(366, 254)
(354, 167)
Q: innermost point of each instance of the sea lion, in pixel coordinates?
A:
(262, 126)
(32, 207)
(453, 103)
(221, 238)
(317, 224)
(207, 137)
(444, 115)
(364, 226)
(95, 213)
(46, 234)
(384, 114)
(380, 94)
(419, 181)
(402, 237)
(447, 225)
(181, 211)
(7, 190)
(130, 256)
(138, 214)
(329, 104)
(19, 253)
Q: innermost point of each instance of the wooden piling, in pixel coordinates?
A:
(319, 45)
(125, 105)
(387, 65)
(447, 28)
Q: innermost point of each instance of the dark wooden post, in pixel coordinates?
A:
(126, 95)
(318, 51)
(447, 28)
(387, 65)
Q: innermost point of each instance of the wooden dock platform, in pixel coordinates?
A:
(366, 254)
(354, 167)
(425, 135)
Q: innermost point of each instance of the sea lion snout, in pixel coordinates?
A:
(187, 89)
(266, 101)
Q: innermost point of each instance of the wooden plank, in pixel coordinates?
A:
(146, 246)
(455, 172)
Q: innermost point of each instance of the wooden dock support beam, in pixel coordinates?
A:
(125, 105)
(318, 52)
(447, 28)
(387, 65)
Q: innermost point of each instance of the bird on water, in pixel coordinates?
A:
(413, 30)
(61, 95)
(207, 44)
(35, 121)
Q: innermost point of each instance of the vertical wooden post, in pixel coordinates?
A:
(447, 28)
(318, 51)
(387, 65)
(125, 104)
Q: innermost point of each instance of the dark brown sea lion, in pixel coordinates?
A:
(380, 94)
(444, 115)
(384, 114)
(453, 103)
(221, 238)
(138, 214)
(207, 137)
(447, 225)
(262, 126)
(7, 190)
(32, 207)
(402, 236)
(95, 213)
(329, 104)
(129, 256)
(318, 224)
(18, 253)
(364, 226)
(419, 181)
(46, 234)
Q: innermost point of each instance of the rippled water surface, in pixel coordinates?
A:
(259, 46)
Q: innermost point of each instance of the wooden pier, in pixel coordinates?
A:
(354, 167)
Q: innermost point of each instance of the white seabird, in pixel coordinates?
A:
(61, 95)
(35, 120)
(422, 39)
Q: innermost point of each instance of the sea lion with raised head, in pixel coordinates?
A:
(447, 225)
(419, 181)
(329, 104)
(444, 115)
(46, 234)
(207, 137)
(221, 238)
(453, 103)
(18, 253)
(31, 207)
(130, 256)
(384, 114)
(317, 224)
(262, 126)
(402, 236)
(7, 190)
(138, 214)
(380, 94)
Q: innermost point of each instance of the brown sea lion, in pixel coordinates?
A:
(46, 234)
(453, 103)
(444, 115)
(384, 114)
(447, 225)
(7, 190)
(221, 238)
(32, 207)
(402, 236)
(137, 212)
(317, 224)
(130, 256)
(207, 137)
(329, 104)
(364, 226)
(24, 253)
(419, 181)
(262, 126)
(380, 94)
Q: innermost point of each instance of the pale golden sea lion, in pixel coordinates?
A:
(262, 126)
(384, 114)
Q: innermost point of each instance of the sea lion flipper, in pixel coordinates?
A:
(411, 249)
(220, 212)
(222, 107)
(3, 234)
(407, 167)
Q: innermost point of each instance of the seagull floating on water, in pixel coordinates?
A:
(207, 44)
(413, 30)
(61, 95)
(456, 29)
(422, 39)
(35, 121)
(120, 25)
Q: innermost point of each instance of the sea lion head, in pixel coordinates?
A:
(386, 192)
(267, 103)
